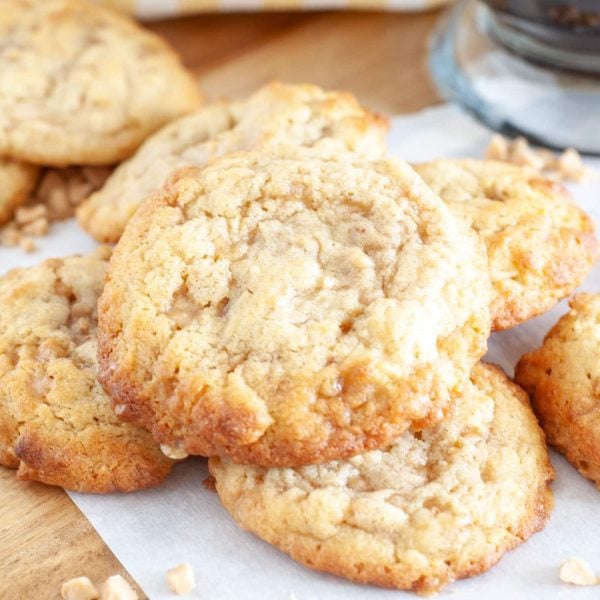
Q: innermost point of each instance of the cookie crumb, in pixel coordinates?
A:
(522, 154)
(29, 214)
(577, 572)
(116, 588)
(55, 198)
(497, 148)
(174, 453)
(78, 588)
(27, 244)
(181, 579)
(568, 166)
(209, 484)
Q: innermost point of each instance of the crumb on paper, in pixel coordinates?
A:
(181, 579)
(78, 588)
(61, 191)
(567, 166)
(209, 483)
(174, 453)
(570, 165)
(523, 155)
(577, 572)
(497, 148)
(55, 198)
(116, 588)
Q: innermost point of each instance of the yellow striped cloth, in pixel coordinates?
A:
(164, 8)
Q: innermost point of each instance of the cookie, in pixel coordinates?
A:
(292, 305)
(540, 244)
(563, 378)
(294, 114)
(17, 179)
(56, 423)
(437, 506)
(80, 84)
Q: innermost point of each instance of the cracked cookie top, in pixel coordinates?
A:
(80, 84)
(437, 506)
(290, 306)
(56, 423)
(540, 244)
(292, 114)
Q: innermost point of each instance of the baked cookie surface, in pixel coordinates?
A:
(292, 114)
(80, 84)
(540, 244)
(563, 378)
(17, 179)
(291, 305)
(56, 423)
(437, 506)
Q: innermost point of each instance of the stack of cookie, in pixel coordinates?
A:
(285, 300)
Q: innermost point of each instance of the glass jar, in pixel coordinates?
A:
(527, 67)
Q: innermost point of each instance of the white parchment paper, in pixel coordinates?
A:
(182, 521)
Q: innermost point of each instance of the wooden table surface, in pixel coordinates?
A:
(380, 57)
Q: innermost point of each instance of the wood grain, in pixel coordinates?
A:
(380, 57)
(45, 540)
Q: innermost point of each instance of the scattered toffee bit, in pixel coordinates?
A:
(577, 572)
(55, 198)
(116, 588)
(174, 453)
(78, 588)
(567, 166)
(181, 579)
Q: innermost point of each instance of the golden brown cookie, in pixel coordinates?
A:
(56, 423)
(80, 84)
(16, 182)
(437, 506)
(563, 378)
(540, 244)
(290, 306)
(293, 114)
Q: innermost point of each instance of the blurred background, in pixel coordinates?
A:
(524, 67)
(381, 56)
